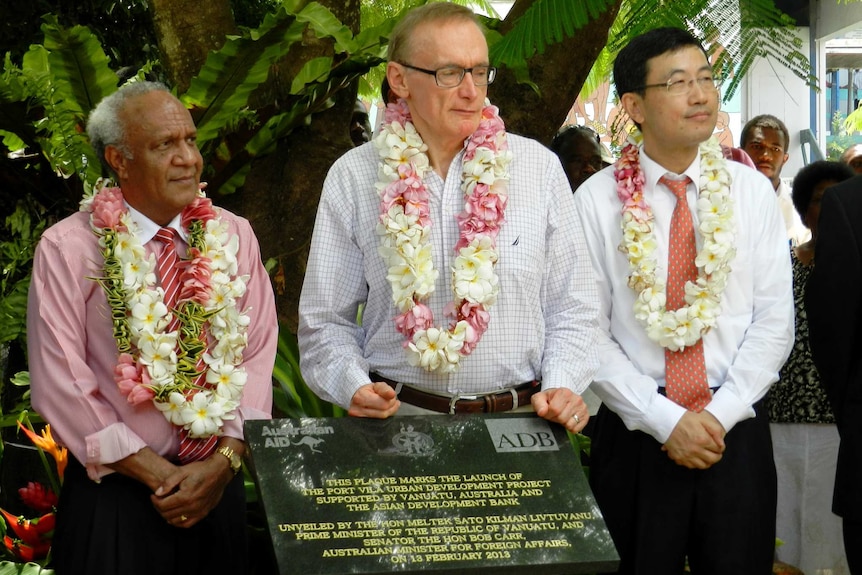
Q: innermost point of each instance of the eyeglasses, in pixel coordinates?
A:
(452, 76)
(679, 87)
(757, 149)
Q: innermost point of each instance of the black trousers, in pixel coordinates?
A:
(112, 528)
(658, 513)
(853, 544)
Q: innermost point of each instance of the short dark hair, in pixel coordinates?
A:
(630, 66)
(570, 131)
(813, 174)
(764, 121)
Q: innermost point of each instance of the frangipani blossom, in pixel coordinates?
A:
(148, 311)
(202, 417)
(172, 408)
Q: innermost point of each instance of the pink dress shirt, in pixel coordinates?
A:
(72, 352)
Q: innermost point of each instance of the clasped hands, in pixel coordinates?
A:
(182, 494)
(697, 441)
(191, 492)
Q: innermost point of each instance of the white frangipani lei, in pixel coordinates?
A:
(163, 366)
(405, 227)
(677, 329)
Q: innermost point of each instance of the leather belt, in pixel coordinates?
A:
(505, 400)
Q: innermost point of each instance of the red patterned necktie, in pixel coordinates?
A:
(685, 377)
(169, 270)
(191, 449)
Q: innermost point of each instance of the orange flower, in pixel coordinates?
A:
(33, 532)
(24, 552)
(46, 443)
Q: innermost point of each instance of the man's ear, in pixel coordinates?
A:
(633, 105)
(397, 80)
(117, 160)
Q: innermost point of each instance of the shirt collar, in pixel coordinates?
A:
(653, 171)
(148, 228)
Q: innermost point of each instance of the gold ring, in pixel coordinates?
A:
(576, 418)
(183, 518)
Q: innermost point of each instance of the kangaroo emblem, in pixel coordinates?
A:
(311, 442)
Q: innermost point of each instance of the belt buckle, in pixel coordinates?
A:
(456, 398)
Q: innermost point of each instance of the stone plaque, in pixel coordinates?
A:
(497, 493)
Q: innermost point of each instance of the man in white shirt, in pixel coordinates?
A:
(462, 244)
(765, 138)
(684, 473)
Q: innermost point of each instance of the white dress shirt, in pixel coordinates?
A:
(543, 325)
(754, 333)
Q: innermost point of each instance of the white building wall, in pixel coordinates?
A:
(771, 88)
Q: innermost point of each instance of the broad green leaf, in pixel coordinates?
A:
(314, 71)
(81, 71)
(12, 141)
(325, 24)
(231, 74)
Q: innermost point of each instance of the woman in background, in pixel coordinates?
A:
(804, 436)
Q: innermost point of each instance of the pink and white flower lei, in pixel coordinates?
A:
(677, 329)
(162, 366)
(405, 229)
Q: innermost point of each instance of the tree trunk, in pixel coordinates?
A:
(559, 73)
(282, 191)
(187, 30)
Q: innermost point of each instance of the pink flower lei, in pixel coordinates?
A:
(404, 227)
(166, 367)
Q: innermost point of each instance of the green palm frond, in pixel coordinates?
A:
(65, 78)
(544, 23)
(735, 33)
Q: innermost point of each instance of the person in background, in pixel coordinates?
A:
(444, 187)
(852, 156)
(833, 302)
(580, 152)
(765, 138)
(804, 436)
(152, 335)
(681, 461)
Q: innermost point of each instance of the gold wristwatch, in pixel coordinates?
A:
(232, 457)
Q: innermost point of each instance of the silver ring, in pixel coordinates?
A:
(576, 418)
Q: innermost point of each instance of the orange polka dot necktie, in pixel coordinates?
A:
(685, 377)
(168, 266)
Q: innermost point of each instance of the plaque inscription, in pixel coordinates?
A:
(495, 493)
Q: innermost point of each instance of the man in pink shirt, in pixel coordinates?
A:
(155, 433)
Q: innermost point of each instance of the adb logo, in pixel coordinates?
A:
(521, 434)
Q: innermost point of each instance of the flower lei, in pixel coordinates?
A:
(405, 228)
(163, 366)
(683, 327)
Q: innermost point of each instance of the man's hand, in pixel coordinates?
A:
(697, 441)
(376, 400)
(562, 405)
(188, 495)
